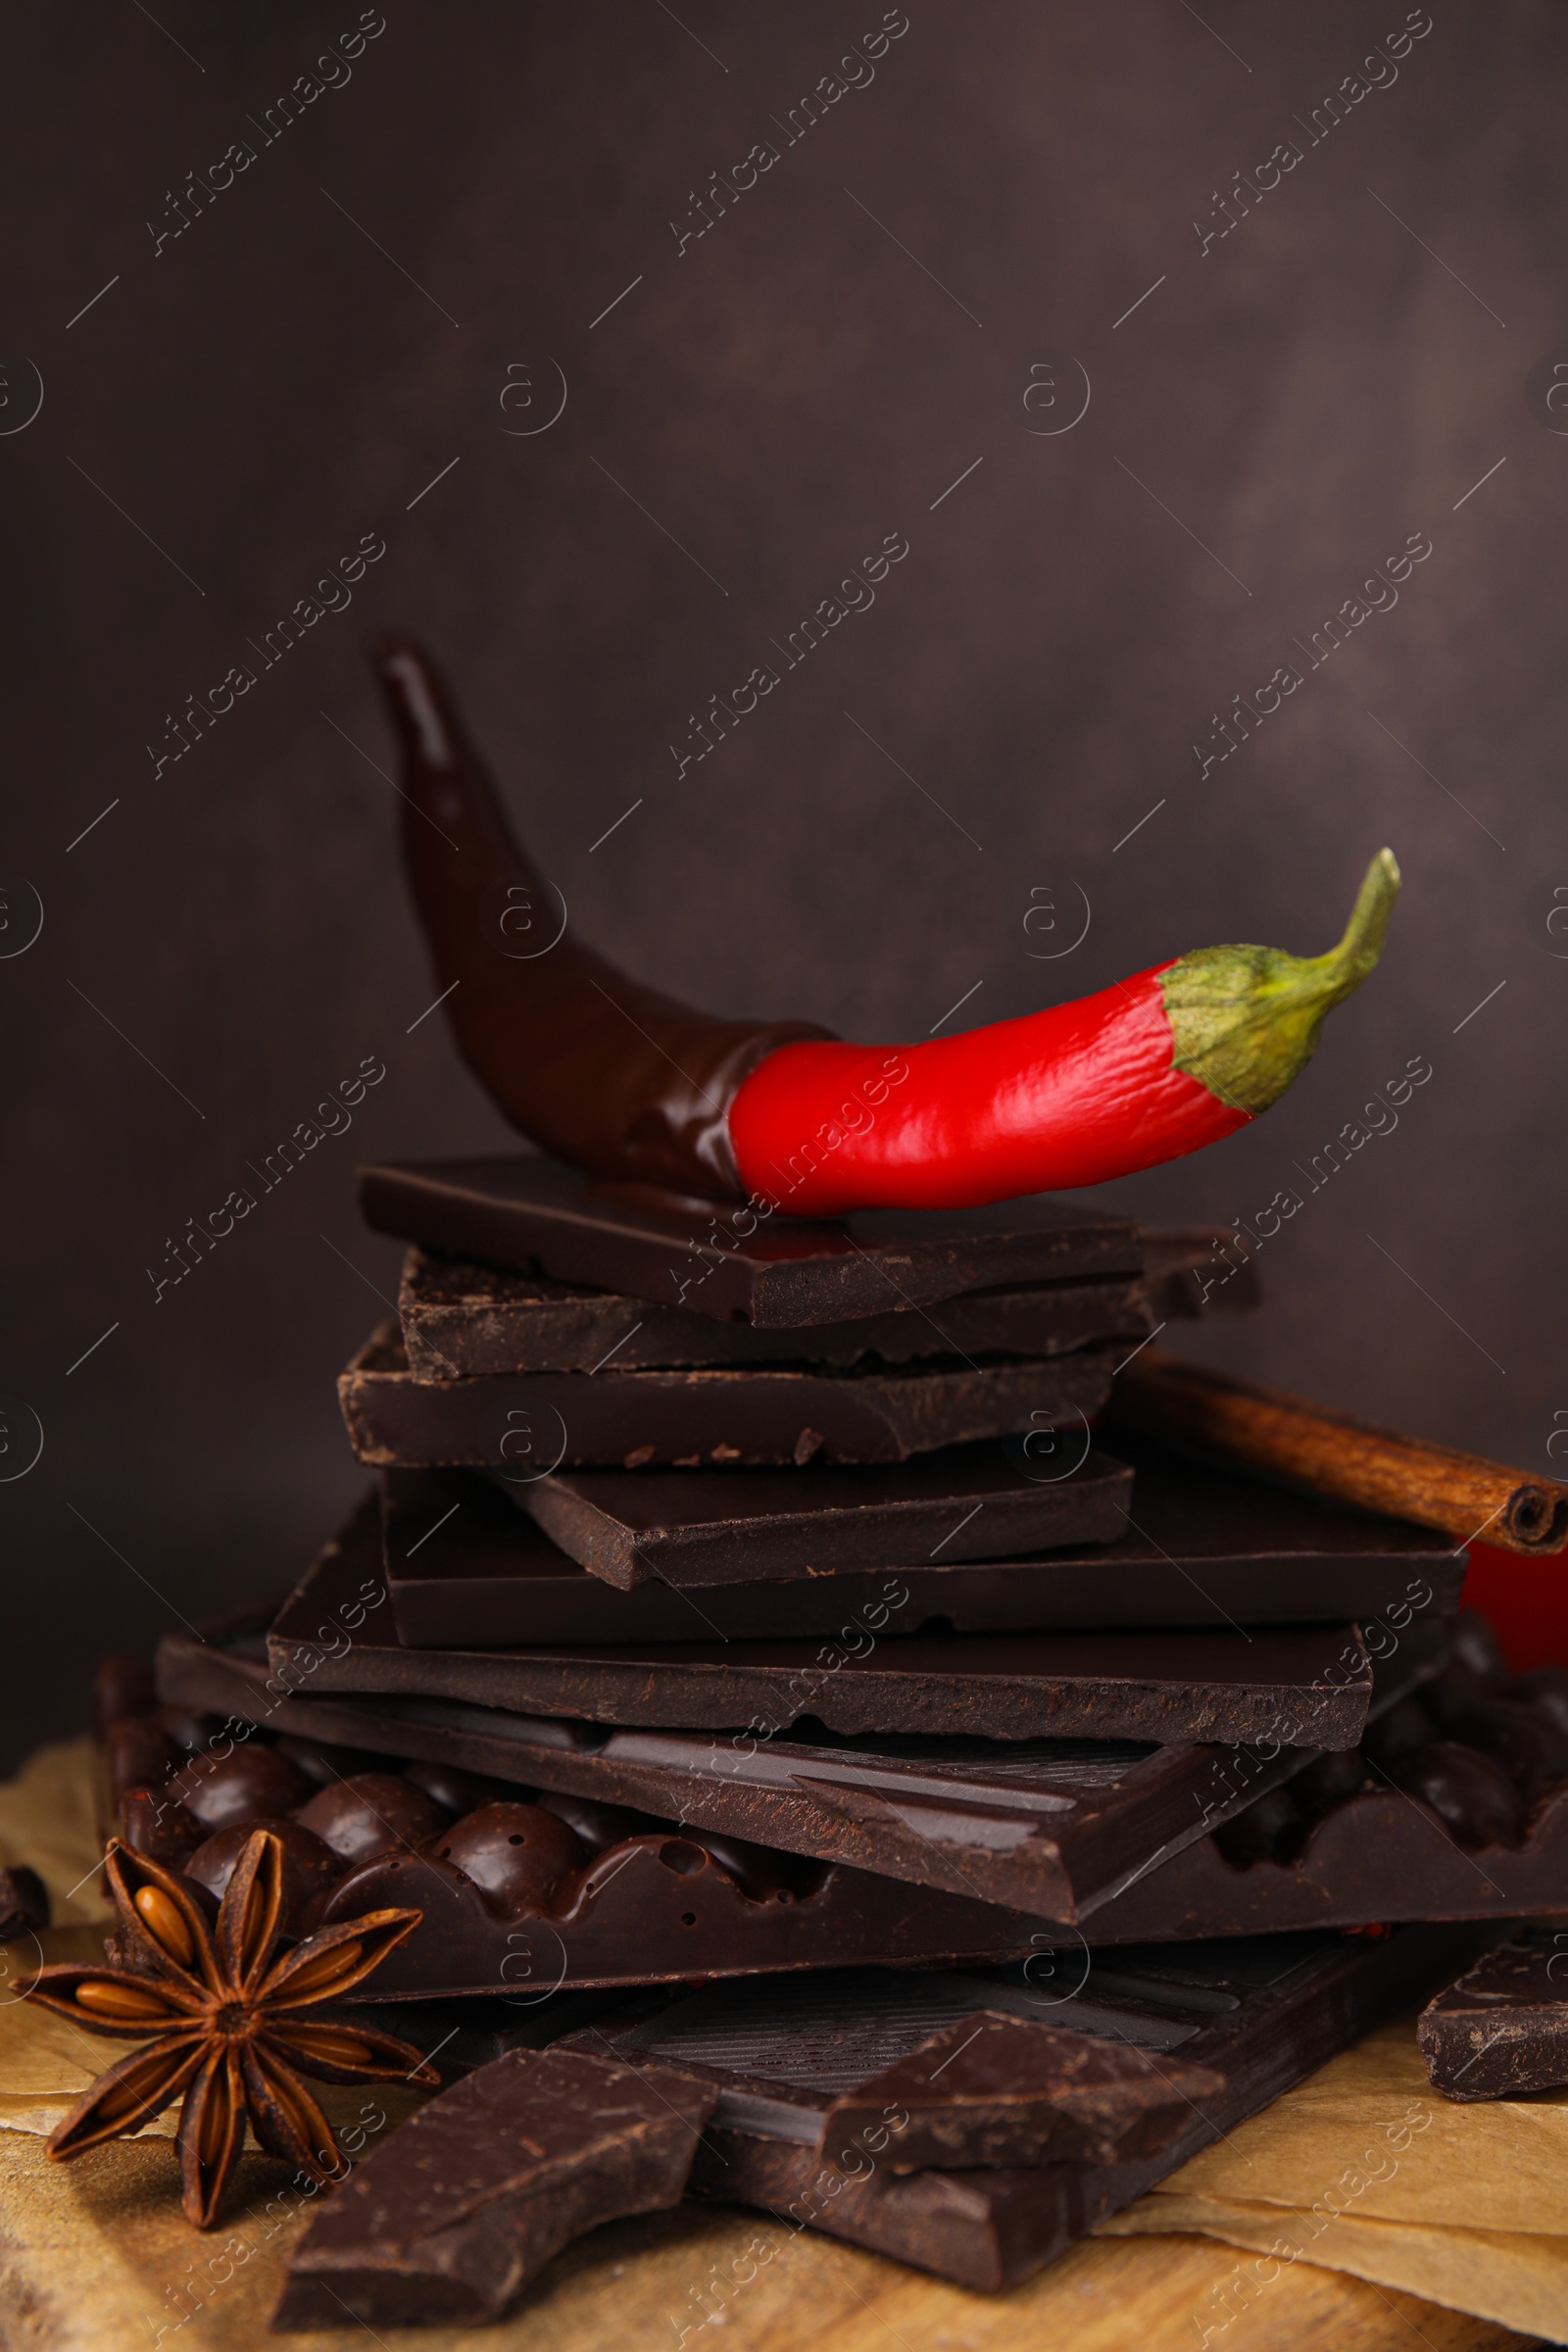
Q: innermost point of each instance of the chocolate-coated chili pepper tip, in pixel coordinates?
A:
(1245, 1020)
(607, 1074)
(417, 696)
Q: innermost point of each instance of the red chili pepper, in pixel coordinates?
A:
(1145, 1071)
(637, 1089)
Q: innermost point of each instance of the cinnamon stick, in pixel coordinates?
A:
(1326, 1452)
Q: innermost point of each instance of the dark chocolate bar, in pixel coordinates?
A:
(1182, 1684)
(527, 1423)
(465, 1568)
(727, 1261)
(452, 2217)
(1500, 2030)
(510, 1904)
(1261, 2014)
(725, 1527)
(462, 1321)
(1455, 1807)
(1051, 1826)
(518, 1896)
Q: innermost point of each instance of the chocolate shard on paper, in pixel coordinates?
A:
(995, 2090)
(465, 2202)
(462, 1321)
(526, 1423)
(723, 1259)
(694, 1527)
(1500, 2030)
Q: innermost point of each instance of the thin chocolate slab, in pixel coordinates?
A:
(879, 1674)
(1261, 2015)
(730, 1262)
(527, 1423)
(1500, 2030)
(465, 1568)
(1312, 1680)
(1177, 1685)
(707, 1527)
(461, 2207)
(993, 2089)
(1052, 1828)
(462, 1321)
(1455, 1807)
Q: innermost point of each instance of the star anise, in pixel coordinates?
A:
(225, 2022)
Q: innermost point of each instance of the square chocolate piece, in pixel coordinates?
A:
(725, 1261)
(526, 1423)
(465, 1321)
(721, 1527)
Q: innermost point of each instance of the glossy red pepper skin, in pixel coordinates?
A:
(1068, 1097)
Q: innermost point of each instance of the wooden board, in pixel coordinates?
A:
(98, 2259)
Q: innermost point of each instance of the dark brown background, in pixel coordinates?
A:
(779, 397)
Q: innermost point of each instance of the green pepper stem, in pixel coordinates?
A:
(1346, 965)
(1245, 1020)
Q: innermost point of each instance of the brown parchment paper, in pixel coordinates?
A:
(1518, 2278)
(1365, 2168)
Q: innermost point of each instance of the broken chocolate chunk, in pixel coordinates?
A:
(466, 2203)
(994, 2090)
(1500, 2030)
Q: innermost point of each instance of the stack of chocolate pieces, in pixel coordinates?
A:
(832, 1478)
(759, 1610)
